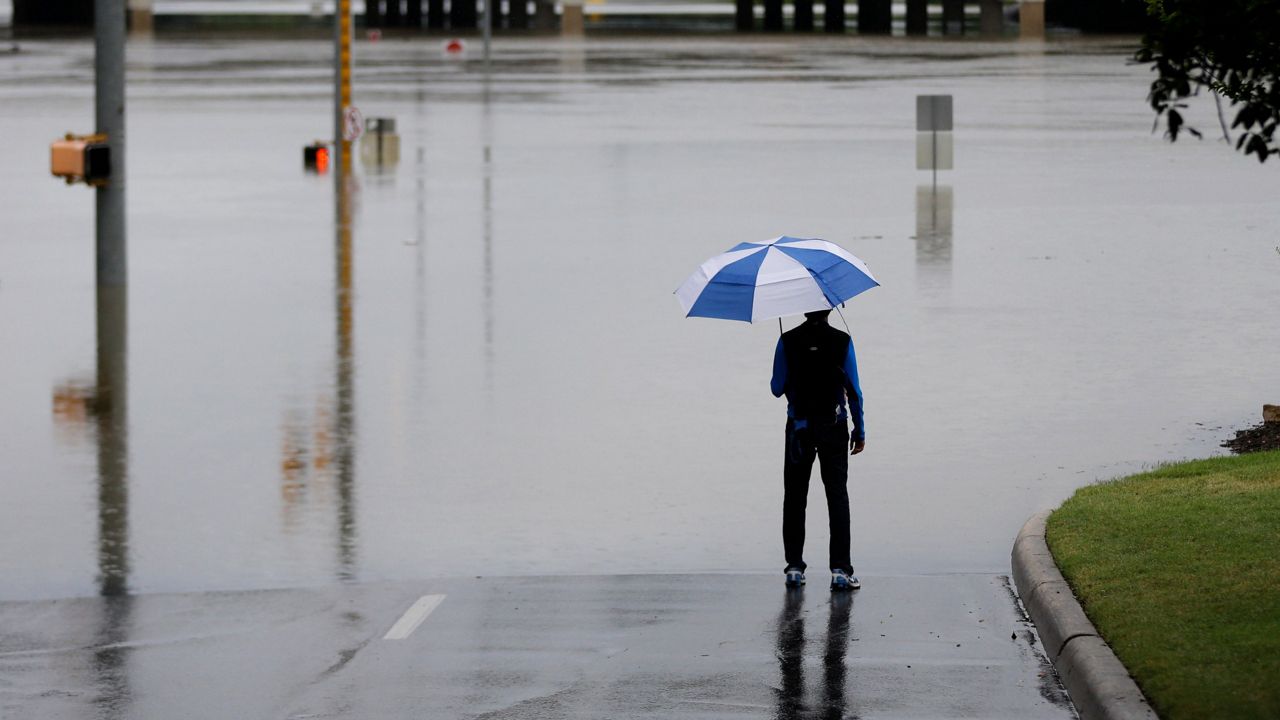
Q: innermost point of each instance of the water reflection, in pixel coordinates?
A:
(420, 281)
(486, 140)
(113, 693)
(344, 367)
(833, 702)
(317, 453)
(573, 57)
(111, 411)
(933, 234)
(933, 224)
(102, 409)
(420, 246)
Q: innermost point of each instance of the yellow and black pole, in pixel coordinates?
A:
(342, 87)
(344, 385)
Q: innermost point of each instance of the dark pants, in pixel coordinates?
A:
(830, 445)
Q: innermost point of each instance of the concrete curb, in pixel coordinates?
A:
(1098, 683)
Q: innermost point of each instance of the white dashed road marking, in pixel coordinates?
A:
(413, 617)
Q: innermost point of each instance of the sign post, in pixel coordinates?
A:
(934, 149)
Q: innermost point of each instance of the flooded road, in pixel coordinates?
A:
(511, 389)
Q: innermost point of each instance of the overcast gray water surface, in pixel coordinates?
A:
(523, 395)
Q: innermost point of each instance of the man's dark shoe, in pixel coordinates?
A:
(795, 578)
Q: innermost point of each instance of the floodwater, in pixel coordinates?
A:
(494, 378)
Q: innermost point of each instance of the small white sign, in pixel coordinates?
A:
(352, 123)
(935, 151)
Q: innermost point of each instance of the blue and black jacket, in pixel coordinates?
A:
(815, 367)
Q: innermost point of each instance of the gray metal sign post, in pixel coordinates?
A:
(108, 114)
(934, 149)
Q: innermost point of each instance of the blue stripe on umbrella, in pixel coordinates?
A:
(838, 278)
(731, 293)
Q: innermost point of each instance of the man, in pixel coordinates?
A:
(815, 367)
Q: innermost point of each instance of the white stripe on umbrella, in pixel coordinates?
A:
(786, 287)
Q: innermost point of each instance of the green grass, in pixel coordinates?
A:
(1179, 568)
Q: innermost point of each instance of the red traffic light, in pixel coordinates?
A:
(315, 158)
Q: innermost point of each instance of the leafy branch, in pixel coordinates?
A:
(1228, 47)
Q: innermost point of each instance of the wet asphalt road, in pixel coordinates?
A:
(690, 646)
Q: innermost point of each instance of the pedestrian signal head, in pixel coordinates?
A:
(81, 158)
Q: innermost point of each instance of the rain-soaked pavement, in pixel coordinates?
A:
(613, 647)
(493, 378)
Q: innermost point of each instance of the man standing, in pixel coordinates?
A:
(815, 367)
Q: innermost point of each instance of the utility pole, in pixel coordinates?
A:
(108, 111)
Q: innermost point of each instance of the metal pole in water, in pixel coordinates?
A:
(108, 112)
(111, 413)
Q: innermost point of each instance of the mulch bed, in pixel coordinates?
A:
(1256, 439)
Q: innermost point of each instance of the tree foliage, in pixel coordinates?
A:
(1229, 47)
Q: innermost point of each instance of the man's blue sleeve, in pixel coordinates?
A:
(779, 382)
(854, 391)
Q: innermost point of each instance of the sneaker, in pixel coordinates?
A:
(795, 578)
(840, 581)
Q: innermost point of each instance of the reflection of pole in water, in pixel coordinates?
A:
(111, 410)
(344, 386)
(420, 267)
(104, 407)
(486, 129)
(111, 657)
(933, 225)
(420, 282)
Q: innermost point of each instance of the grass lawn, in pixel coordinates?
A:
(1179, 568)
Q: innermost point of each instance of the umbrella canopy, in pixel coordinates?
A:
(772, 279)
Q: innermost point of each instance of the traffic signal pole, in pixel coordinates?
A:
(112, 398)
(108, 107)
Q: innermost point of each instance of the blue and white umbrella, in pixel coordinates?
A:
(772, 279)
